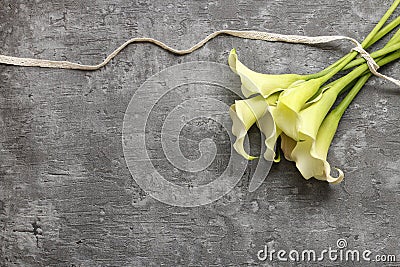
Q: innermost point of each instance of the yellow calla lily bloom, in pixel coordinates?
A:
(290, 102)
(310, 155)
(295, 107)
(244, 114)
(316, 131)
(258, 83)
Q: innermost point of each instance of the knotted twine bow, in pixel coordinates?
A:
(255, 35)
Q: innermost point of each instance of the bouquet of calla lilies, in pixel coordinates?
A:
(298, 108)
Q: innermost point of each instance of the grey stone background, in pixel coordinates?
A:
(66, 195)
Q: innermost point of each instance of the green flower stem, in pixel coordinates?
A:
(390, 46)
(356, 62)
(348, 58)
(342, 106)
(387, 49)
(374, 55)
(378, 26)
(340, 109)
(395, 37)
(388, 28)
(330, 123)
(342, 82)
(369, 40)
(324, 71)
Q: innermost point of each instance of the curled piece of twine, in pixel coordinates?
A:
(255, 35)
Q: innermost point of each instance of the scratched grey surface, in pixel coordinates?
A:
(66, 195)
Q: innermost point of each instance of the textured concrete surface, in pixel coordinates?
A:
(66, 195)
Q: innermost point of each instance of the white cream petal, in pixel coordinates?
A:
(244, 113)
(267, 126)
(259, 83)
(310, 163)
(290, 102)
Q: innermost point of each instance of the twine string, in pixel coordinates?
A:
(255, 35)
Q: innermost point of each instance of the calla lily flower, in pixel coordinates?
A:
(291, 102)
(295, 107)
(258, 83)
(316, 131)
(288, 113)
(270, 140)
(244, 114)
(311, 117)
(310, 155)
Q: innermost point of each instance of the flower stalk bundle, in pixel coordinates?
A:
(298, 108)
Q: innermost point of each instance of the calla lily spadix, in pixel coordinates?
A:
(287, 146)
